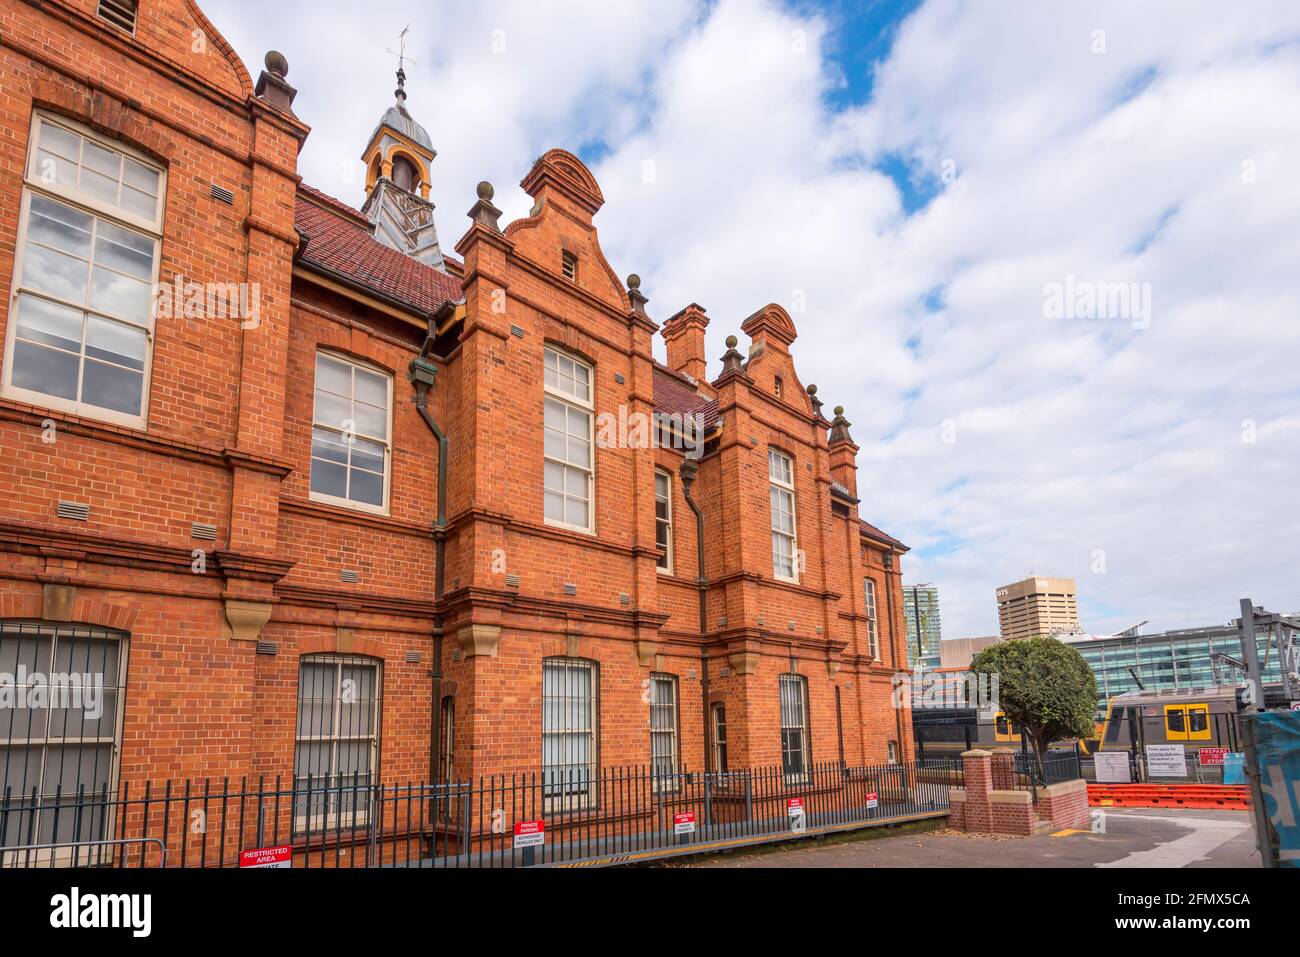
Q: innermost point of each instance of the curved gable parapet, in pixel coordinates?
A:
(242, 77)
(559, 171)
(770, 322)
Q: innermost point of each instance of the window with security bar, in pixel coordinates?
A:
(663, 732)
(794, 728)
(570, 714)
(336, 754)
(60, 734)
(719, 712)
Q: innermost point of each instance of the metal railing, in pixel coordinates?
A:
(613, 815)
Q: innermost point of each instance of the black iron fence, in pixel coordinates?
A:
(614, 815)
(1011, 770)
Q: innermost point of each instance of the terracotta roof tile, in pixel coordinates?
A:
(872, 532)
(337, 241)
(674, 396)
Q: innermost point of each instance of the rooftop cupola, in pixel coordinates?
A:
(398, 158)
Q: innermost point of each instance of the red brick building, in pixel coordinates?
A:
(313, 495)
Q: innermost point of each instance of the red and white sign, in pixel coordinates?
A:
(873, 799)
(794, 807)
(266, 857)
(1212, 756)
(684, 823)
(530, 833)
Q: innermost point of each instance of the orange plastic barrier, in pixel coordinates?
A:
(1230, 797)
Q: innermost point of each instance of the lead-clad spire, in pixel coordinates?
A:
(398, 159)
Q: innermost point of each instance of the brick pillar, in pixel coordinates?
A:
(978, 772)
(1004, 769)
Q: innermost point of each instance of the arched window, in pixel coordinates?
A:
(405, 174)
(570, 718)
(336, 754)
(794, 728)
(663, 732)
(61, 688)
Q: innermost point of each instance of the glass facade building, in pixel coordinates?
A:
(1171, 659)
(921, 606)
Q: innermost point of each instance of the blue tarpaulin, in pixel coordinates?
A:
(1277, 744)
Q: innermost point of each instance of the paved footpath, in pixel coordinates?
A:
(1133, 837)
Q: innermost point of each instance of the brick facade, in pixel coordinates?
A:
(216, 630)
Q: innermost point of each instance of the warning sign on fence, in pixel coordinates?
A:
(1166, 761)
(266, 857)
(794, 807)
(1211, 757)
(530, 834)
(873, 799)
(684, 823)
(1112, 767)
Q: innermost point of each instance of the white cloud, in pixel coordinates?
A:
(1127, 165)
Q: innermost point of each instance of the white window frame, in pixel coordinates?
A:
(669, 782)
(780, 473)
(358, 816)
(151, 228)
(387, 443)
(716, 710)
(68, 854)
(572, 400)
(794, 693)
(667, 522)
(873, 635)
(566, 794)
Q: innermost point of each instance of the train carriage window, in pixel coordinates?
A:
(1115, 725)
(1003, 726)
(1175, 723)
(1198, 722)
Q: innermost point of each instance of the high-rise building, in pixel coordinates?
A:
(921, 608)
(1038, 606)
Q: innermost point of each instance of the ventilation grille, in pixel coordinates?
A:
(350, 576)
(624, 598)
(570, 588)
(268, 648)
(618, 377)
(512, 581)
(413, 657)
(790, 624)
(457, 654)
(75, 511)
(120, 13)
(223, 195)
(455, 583)
(517, 332)
(203, 531)
(569, 263)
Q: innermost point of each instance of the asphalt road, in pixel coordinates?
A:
(1137, 837)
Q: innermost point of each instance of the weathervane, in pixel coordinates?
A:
(400, 53)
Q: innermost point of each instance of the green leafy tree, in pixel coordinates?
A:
(1044, 688)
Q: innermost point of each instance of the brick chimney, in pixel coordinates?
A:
(684, 334)
(843, 453)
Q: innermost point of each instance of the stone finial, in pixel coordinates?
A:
(816, 402)
(840, 427)
(272, 87)
(635, 296)
(732, 360)
(483, 212)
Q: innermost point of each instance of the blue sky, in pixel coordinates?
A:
(912, 180)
